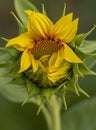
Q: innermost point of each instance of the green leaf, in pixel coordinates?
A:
(88, 47)
(4, 81)
(80, 117)
(4, 71)
(90, 62)
(4, 56)
(20, 6)
(13, 92)
(9, 51)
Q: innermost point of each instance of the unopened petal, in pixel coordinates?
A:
(69, 55)
(39, 24)
(56, 73)
(21, 42)
(25, 61)
(52, 59)
(59, 58)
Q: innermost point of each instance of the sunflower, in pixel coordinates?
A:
(45, 45)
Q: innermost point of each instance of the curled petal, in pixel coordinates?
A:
(59, 58)
(52, 59)
(55, 74)
(21, 42)
(55, 59)
(69, 55)
(25, 60)
(38, 24)
(34, 63)
(57, 68)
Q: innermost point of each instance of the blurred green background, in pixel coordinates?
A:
(12, 115)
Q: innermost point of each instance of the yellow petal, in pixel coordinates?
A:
(70, 31)
(55, 73)
(56, 59)
(69, 55)
(39, 24)
(65, 29)
(34, 64)
(44, 58)
(52, 59)
(28, 12)
(59, 58)
(62, 23)
(21, 42)
(25, 60)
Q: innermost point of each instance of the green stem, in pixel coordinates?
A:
(51, 111)
(47, 117)
(52, 114)
(56, 113)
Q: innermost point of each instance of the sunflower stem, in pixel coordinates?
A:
(52, 114)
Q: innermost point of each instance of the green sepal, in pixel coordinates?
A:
(76, 70)
(43, 100)
(82, 69)
(47, 92)
(8, 57)
(85, 70)
(82, 91)
(79, 38)
(81, 54)
(9, 51)
(64, 96)
(86, 50)
(10, 65)
(22, 28)
(17, 78)
(72, 84)
(32, 90)
(4, 39)
(20, 6)
(43, 10)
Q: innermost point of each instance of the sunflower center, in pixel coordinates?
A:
(45, 46)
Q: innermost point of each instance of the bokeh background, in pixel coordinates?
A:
(12, 115)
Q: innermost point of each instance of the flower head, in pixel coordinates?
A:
(45, 49)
